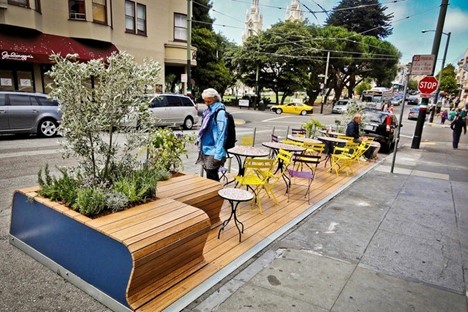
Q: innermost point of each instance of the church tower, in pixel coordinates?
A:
(294, 12)
(253, 21)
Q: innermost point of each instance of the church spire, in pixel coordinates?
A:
(294, 12)
(253, 21)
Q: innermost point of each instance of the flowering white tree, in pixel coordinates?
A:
(95, 97)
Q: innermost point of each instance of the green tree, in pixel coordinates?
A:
(365, 17)
(448, 82)
(280, 55)
(211, 71)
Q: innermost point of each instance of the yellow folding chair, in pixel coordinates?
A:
(256, 175)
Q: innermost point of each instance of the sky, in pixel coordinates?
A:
(410, 18)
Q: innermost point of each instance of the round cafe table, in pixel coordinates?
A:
(234, 196)
(240, 151)
(303, 139)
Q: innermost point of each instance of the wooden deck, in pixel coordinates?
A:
(259, 229)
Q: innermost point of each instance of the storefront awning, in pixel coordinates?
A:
(38, 48)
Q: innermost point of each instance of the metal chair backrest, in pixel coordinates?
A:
(298, 132)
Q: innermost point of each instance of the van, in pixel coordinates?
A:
(170, 110)
(28, 113)
(340, 107)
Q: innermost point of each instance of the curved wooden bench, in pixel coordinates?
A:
(195, 191)
(131, 256)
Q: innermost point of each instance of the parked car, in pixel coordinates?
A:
(383, 126)
(397, 100)
(293, 108)
(340, 107)
(413, 100)
(28, 113)
(413, 113)
(171, 110)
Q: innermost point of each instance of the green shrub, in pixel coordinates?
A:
(63, 189)
(116, 201)
(138, 186)
(90, 201)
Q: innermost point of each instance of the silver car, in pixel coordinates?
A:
(28, 113)
(340, 107)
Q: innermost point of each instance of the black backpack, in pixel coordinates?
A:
(230, 129)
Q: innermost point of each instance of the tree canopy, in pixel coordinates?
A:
(366, 17)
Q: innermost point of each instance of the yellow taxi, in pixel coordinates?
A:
(293, 108)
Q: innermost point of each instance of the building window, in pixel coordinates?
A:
(141, 19)
(130, 16)
(180, 27)
(77, 9)
(100, 11)
(38, 5)
(23, 3)
(135, 25)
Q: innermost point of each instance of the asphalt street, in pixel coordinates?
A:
(389, 242)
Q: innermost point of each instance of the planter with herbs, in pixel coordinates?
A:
(101, 221)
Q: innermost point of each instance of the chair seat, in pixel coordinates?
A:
(300, 174)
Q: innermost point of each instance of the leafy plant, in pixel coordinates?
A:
(138, 186)
(90, 201)
(118, 84)
(116, 201)
(165, 149)
(311, 127)
(62, 189)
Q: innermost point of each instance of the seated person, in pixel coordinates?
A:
(353, 130)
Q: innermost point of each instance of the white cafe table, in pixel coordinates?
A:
(240, 151)
(303, 139)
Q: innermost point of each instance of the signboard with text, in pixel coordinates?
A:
(422, 64)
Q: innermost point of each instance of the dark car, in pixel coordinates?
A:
(28, 113)
(383, 126)
(413, 100)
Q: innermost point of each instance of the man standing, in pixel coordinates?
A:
(212, 134)
(457, 126)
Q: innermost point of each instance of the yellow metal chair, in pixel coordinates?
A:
(256, 175)
(291, 142)
(314, 148)
(247, 141)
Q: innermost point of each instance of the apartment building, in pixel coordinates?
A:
(31, 30)
(462, 78)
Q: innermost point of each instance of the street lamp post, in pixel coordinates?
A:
(431, 118)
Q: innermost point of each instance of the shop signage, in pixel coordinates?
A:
(15, 57)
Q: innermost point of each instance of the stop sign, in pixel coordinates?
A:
(428, 84)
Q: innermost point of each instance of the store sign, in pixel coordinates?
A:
(15, 57)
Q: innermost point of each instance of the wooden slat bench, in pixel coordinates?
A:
(144, 250)
(195, 191)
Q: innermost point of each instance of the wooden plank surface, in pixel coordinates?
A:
(221, 252)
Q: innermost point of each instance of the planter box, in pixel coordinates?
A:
(195, 191)
(123, 259)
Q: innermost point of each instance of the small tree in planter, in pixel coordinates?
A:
(96, 97)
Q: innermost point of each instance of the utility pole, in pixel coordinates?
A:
(435, 51)
(431, 119)
(324, 91)
(189, 47)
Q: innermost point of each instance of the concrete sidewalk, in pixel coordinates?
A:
(390, 242)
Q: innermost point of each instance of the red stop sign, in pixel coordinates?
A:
(428, 84)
